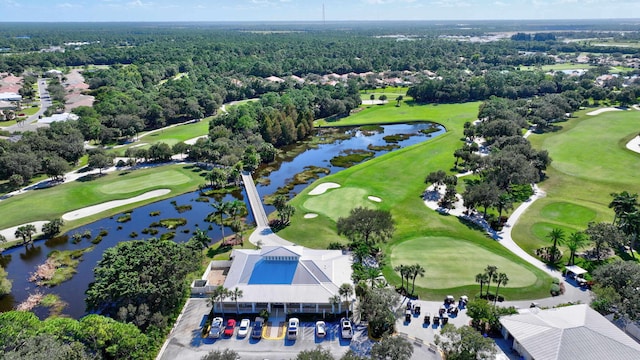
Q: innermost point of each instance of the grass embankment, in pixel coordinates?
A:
(422, 235)
(170, 136)
(590, 161)
(50, 203)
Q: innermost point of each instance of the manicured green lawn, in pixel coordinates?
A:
(451, 261)
(171, 136)
(398, 179)
(332, 203)
(445, 114)
(590, 161)
(159, 178)
(53, 202)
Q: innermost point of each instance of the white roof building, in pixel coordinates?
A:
(58, 117)
(9, 96)
(567, 333)
(293, 278)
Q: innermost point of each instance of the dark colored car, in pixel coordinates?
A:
(258, 324)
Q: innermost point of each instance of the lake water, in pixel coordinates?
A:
(20, 262)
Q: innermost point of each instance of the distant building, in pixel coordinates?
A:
(58, 117)
(9, 96)
(567, 333)
(289, 278)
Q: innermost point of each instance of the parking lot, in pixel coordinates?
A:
(186, 342)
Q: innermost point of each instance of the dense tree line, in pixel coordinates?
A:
(24, 336)
(49, 150)
(461, 86)
(143, 282)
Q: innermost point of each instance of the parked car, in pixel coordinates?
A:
(321, 329)
(243, 329)
(292, 329)
(216, 328)
(230, 328)
(258, 324)
(345, 328)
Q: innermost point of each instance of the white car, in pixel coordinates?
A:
(243, 330)
(321, 329)
(346, 329)
(292, 329)
(216, 328)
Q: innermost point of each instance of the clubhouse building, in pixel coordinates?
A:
(567, 333)
(280, 279)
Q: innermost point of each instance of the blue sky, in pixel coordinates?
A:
(311, 10)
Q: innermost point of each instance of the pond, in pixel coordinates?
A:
(20, 263)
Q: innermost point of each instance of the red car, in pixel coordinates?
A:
(231, 326)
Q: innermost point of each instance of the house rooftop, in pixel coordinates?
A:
(568, 333)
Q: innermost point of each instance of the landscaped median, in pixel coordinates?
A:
(421, 233)
(121, 186)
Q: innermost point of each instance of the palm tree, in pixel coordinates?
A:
(576, 241)
(221, 209)
(201, 238)
(505, 202)
(26, 231)
(401, 269)
(491, 272)
(236, 294)
(623, 202)
(557, 237)
(372, 274)
(416, 270)
(335, 301)
(220, 293)
(482, 278)
(501, 279)
(346, 291)
(237, 208)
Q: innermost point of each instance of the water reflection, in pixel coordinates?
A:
(112, 232)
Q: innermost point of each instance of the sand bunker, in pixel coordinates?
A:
(634, 144)
(310, 216)
(603, 110)
(374, 198)
(195, 139)
(90, 210)
(322, 188)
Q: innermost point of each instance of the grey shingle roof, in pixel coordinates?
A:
(568, 333)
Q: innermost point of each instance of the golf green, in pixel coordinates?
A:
(568, 213)
(125, 185)
(337, 203)
(451, 263)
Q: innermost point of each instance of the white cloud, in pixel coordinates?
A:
(139, 3)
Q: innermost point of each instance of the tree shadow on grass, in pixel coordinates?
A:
(90, 177)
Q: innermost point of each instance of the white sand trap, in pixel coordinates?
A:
(9, 233)
(195, 139)
(310, 216)
(322, 188)
(634, 144)
(94, 209)
(374, 198)
(603, 110)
